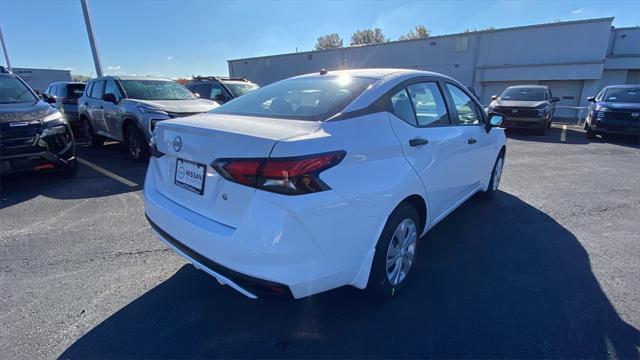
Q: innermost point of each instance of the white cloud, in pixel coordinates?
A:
(114, 68)
(170, 57)
(577, 11)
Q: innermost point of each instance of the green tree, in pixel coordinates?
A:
(329, 41)
(419, 32)
(368, 36)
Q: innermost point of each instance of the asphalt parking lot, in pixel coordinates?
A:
(548, 269)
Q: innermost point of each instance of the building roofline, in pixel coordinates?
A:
(478, 32)
(38, 69)
(637, 27)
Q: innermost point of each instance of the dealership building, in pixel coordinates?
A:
(39, 79)
(575, 58)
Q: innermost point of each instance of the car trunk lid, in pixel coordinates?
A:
(191, 144)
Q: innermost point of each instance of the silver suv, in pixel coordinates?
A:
(127, 108)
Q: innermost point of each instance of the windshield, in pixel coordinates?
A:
(631, 95)
(156, 90)
(524, 94)
(75, 90)
(312, 99)
(240, 88)
(13, 91)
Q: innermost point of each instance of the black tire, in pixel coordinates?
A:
(542, 131)
(492, 189)
(589, 134)
(549, 124)
(137, 146)
(380, 285)
(71, 169)
(93, 140)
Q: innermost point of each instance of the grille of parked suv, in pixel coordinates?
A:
(519, 112)
(618, 115)
(177, 115)
(16, 139)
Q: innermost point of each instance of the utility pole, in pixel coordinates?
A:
(92, 39)
(4, 49)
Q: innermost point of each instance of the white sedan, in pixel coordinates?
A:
(321, 180)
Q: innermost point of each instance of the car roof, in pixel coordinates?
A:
(528, 87)
(626, 86)
(378, 74)
(67, 83)
(127, 77)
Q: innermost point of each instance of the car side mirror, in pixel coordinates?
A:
(220, 98)
(494, 97)
(495, 120)
(196, 94)
(51, 99)
(555, 99)
(110, 98)
(591, 99)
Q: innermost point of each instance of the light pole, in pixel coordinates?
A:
(4, 49)
(92, 39)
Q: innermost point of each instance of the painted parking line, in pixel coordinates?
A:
(106, 172)
(563, 134)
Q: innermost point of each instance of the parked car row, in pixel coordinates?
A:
(614, 111)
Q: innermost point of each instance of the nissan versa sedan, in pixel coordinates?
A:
(615, 111)
(321, 180)
(33, 135)
(525, 107)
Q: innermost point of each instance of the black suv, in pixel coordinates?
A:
(220, 89)
(33, 134)
(64, 95)
(525, 107)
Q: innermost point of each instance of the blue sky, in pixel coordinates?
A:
(182, 38)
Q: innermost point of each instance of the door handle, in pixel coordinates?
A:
(85, 104)
(472, 141)
(418, 142)
(101, 107)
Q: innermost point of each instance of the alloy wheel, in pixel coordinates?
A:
(401, 251)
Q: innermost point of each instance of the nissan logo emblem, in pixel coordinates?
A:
(177, 143)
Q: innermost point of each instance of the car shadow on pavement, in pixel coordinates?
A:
(573, 136)
(496, 279)
(86, 183)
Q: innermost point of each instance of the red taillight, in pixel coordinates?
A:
(290, 176)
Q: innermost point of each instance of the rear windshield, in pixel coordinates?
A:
(13, 91)
(75, 90)
(623, 95)
(156, 90)
(313, 99)
(524, 94)
(240, 88)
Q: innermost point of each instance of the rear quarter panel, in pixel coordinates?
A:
(373, 178)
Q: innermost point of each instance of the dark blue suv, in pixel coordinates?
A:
(615, 110)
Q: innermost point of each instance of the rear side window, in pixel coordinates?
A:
(466, 108)
(428, 104)
(202, 90)
(97, 89)
(310, 98)
(87, 91)
(74, 90)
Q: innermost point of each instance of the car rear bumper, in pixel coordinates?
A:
(279, 247)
